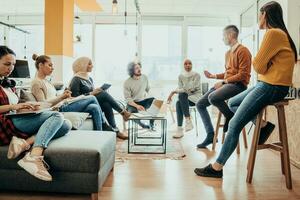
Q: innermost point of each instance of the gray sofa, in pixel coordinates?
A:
(80, 163)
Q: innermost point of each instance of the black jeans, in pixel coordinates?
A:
(146, 103)
(107, 104)
(182, 107)
(217, 97)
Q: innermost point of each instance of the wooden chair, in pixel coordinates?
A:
(281, 146)
(193, 109)
(218, 126)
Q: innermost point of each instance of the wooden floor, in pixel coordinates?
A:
(175, 179)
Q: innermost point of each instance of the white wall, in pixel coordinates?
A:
(293, 21)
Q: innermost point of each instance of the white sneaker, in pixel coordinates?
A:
(16, 147)
(188, 125)
(179, 133)
(35, 165)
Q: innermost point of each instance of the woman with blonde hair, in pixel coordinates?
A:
(44, 91)
(82, 84)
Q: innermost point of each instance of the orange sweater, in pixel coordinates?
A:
(238, 66)
(275, 60)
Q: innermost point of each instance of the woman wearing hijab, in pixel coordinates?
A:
(82, 84)
(189, 92)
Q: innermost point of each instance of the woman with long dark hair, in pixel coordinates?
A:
(31, 133)
(274, 64)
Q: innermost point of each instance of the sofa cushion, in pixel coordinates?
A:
(78, 151)
(26, 96)
(77, 118)
(87, 125)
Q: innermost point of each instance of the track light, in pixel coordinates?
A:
(114, 6)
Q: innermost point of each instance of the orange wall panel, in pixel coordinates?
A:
(59, 16)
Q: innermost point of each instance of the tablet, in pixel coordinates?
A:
(105, 86)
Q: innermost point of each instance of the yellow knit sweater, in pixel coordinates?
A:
(275, 60)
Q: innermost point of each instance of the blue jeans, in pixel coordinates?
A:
(89, 105)
(47, 126)
(247, 105)
(217, 98)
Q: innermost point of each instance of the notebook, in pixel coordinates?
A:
(153, 111)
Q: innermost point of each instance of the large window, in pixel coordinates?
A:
(161, 51)
(206, 49)
(1, 35)
(27, 44)
(248, 34)
(83, 41)
(115, 47)
(162, 57)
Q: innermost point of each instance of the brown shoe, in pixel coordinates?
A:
(16, 147)
(126, 115)
(36, 166)
(122, 135)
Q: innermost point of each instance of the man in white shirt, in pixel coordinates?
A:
(136, 92)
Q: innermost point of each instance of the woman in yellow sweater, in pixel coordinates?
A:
(274, 64)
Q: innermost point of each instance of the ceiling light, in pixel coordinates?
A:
(115, 7)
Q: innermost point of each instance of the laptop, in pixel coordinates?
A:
(153, 111)
(43, 107)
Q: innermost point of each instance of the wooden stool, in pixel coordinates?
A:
(281, 146)
(218, 126)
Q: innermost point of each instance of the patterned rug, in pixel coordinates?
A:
(174, 150)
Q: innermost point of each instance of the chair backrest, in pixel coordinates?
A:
(204, 87)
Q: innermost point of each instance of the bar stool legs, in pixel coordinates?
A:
(281, 146)
(218, 126)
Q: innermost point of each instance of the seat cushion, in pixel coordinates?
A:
(78, 151)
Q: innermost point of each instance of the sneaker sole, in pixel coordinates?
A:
(177, 137)
(205, 175)
(187, 130)
(23, 165)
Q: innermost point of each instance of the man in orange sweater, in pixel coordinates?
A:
(234, 80)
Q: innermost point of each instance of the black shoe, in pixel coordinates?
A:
(225, 127)
(141, 124)
(107, 127)
(208, 171)
(265, 133)
(208, 140)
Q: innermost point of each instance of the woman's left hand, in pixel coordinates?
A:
(66, 94)
(96, 91)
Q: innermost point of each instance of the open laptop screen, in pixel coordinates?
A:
(21, 70)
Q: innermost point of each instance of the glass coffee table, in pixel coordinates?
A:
(145, 141)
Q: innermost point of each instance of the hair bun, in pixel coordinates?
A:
(34, 56)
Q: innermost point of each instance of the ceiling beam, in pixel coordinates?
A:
(89, 5)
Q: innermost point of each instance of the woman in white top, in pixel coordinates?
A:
(189, 92)
(43, 90)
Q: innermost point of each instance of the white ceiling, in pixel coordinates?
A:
(148, 7)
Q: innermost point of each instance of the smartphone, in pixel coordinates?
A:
(105, 86)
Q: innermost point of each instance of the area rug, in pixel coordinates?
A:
(174, 151)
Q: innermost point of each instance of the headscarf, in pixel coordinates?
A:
(80, 67)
